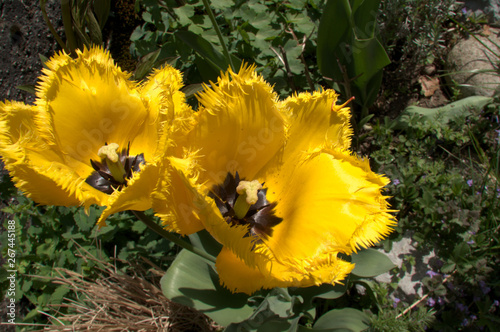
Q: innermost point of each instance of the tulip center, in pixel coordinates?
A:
(110, 157)
(244, 203)
(114, 169)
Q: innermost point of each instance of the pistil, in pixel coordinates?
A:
(248, 196)
(109, 154)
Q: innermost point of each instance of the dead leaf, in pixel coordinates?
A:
(429, 85)
(486, 30)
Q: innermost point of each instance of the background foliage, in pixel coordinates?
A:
(444, 163)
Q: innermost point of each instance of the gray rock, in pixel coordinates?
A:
(473, 65)
(410, 285)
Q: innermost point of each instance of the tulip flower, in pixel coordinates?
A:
(276, 184)
(93, 136)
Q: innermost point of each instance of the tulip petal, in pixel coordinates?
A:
(175, 200)
(329, 201)
(37, 169)
(86, 102)
(239, 126)
(162, 92)
(316, 122)
(135, 196)
(237, 276)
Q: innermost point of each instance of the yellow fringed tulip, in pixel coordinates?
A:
(93, 136)
(311, 198)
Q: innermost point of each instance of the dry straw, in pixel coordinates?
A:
(116, 301)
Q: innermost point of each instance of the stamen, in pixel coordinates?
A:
(244, 203)
(114, 169)
(338, 107)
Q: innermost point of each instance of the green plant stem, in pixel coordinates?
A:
(51, 27)
(68, 26)
(171, 237)
(206, 3)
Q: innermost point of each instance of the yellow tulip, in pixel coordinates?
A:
(275, 183)
(93, 136)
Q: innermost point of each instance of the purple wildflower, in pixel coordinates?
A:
(395, 302)
(396, 182)
(496, 303)
(431, 274)
(461, 307)
(469, 183)
(431, 302)
(470, 242)
(465, 322)
(484, 288)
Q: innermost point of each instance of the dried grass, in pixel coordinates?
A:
(120, 302)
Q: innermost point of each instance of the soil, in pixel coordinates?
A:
(24, 36)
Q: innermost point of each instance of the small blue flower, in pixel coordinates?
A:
(469, 183)
(396, 182)
(496, 303)
(470, 242)
(465, 322)
(395, 302)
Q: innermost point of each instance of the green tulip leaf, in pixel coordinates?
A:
(347, 319)
(445, 113)
(371, 263)
(193, 282)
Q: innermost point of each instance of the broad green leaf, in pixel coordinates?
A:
(222, 4)
(204, 49)
(368, 58)
(146, 64)
(365, 17)
(101, 9)
(347, 319)
(184, 14)
(193, 281)
(324, 291)
(203, 240)
(445, 113)
(333, 28)
(191, 89)
(370, 263)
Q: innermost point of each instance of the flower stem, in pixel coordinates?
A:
(206, 3)
(171, 237)
(51, 27)
(68, 26)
